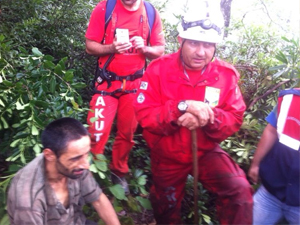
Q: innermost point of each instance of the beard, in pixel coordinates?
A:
(73, 174)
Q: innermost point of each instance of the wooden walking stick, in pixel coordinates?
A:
(195, 174)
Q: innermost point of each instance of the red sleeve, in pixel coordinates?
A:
(152, 113)
(157, 34)
(95, 30)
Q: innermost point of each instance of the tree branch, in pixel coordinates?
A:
(267, 93)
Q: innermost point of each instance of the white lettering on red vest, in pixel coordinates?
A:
(100, 101)
(98, 136)
(99, 125)
(98, 113)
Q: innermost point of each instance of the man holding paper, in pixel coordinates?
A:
(122, 44)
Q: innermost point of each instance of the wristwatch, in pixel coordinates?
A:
(182, 106)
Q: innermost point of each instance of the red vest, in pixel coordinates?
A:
(288, 124)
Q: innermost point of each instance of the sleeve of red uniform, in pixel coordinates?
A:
(228, 116)
(157, 34)
(153, 114)
(95, 30)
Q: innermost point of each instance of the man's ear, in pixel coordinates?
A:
(49, 154)
(180, 40)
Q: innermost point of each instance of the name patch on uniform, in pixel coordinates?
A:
(141, 98)
(212, 96)
(144, 85)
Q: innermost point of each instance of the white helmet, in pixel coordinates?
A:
(202, 22)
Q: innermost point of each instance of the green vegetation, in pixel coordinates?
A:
(45, 74)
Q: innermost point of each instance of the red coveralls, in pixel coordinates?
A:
(164, 84)
(104, 106)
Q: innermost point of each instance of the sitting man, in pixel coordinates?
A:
(53, 187)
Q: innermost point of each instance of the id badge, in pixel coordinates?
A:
(212, 96)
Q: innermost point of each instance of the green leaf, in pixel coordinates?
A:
(52, 85)
(13, 168)
(16, 125)
(142, 180)
(4, 220)
(20, 75)
(49, 58)
(62, 62)
(14, 143)
(281, 57)
(2, 37)
(101, 165)
(240, 153)
(39, 103)
(133, 204)
(143, 191)
(5, 125)
(21, 134)
(78, 85)
(19, 106)
(75, 105)
(36, 52)
(93, 168)
(8, 83)
(69, 76)
(34, 130)
(101, 175)
(49, 64)
(137, 173)
(144, 202)
(23, 50)
(117, 191)
(22, 158)
(93, 119)
(58, 70)
(126, 220)
(37, 149)
(206, 218)
(101, 157)
(38, 121)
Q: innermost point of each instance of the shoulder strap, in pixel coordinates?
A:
(110, 5)
(151, 17)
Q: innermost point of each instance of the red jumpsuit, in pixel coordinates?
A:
(105, 106)
(164, 84)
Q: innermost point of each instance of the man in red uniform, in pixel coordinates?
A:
(192, 90)
(122, 61)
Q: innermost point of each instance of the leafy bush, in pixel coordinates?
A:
(272, 66)
(34, 91)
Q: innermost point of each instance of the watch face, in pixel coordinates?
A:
(182, 106)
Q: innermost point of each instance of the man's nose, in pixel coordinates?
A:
(200, 50)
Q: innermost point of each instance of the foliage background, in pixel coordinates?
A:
(45, 74)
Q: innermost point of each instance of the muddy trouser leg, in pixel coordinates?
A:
(104, 108)
(126, 125)
(168, 191)
(220, 175)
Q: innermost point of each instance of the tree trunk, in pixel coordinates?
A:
(226, 11)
